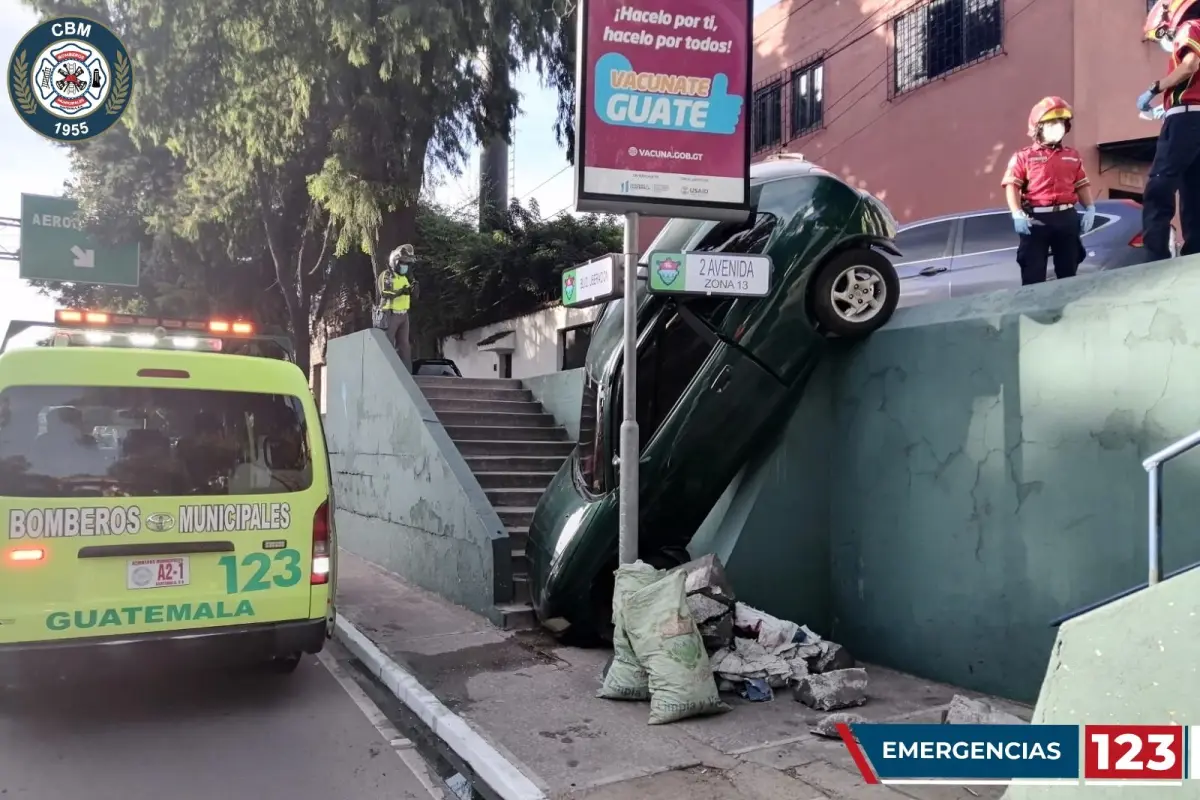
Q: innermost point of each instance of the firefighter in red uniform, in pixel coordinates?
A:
(1175, 24)
(1042, 184)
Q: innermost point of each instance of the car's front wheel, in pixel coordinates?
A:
(855, 293)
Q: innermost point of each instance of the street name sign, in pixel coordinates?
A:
(594, 282)
(55, 246)
(720, 274)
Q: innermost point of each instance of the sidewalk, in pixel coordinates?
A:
(534, 701)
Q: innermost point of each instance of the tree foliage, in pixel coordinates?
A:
(292, 135)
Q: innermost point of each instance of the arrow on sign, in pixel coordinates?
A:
(84, 258)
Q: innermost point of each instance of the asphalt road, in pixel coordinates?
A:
(173, 732)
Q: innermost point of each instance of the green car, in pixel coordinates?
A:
(717, 377)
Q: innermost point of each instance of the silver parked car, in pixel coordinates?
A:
(964, 254)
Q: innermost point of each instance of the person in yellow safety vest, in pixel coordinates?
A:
(395, 292)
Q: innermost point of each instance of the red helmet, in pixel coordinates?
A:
(1165, 17)
(1048, 108)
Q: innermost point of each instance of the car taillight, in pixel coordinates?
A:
(27, 554)
(320, 545)
(1136, 241)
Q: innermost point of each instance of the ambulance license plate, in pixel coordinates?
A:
(154, 573)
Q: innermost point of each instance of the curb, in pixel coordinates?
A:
(494, 769)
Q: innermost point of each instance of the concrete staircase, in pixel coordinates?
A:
(513, 447)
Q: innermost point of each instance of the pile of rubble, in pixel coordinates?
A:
(755, 654)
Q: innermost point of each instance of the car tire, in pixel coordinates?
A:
(855, 293)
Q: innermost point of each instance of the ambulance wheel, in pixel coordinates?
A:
(855, 293)
(285, 665)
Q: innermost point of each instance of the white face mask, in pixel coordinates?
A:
(1167, 44)
(1053, 132)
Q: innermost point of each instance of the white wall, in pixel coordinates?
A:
(537, 349)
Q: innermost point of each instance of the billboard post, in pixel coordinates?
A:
(662, 127)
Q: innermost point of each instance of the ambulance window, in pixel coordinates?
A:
(63, 441)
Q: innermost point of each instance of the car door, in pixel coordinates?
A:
(986, 257)
(924, 264)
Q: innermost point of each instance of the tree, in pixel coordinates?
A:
(315, 119)
(470, 279)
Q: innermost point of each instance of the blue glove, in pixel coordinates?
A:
(1144, 100)
(1089, 219)
(1021, 223)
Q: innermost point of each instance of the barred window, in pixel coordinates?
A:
(943, 36)
(767, 116)
(808, 98)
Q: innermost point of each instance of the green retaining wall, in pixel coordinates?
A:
(977, 472)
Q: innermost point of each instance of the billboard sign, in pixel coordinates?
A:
(662, 111)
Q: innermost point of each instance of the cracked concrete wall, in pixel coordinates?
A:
(986, 469)
(404, 497)
(1123, 664)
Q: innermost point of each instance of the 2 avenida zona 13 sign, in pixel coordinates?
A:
(70, 78)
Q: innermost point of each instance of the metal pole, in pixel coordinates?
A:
(628, 490)
(1154, 544)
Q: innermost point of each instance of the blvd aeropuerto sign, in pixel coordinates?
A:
(720, 274)
(55, 246)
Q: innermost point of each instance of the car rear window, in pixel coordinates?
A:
(116, 441)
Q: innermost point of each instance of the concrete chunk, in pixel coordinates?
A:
(706, 576)
(968, 711)
(842, 688)
(831, 658)
(827, 727)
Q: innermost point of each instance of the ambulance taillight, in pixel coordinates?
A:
(321, 554)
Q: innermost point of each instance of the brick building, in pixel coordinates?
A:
(922, 102)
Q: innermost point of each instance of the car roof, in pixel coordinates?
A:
(1101, 205)
(103, 366)
(786, 165)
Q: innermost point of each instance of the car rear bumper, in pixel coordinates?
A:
(260, 640)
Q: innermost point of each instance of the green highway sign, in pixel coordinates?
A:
(721, 274)
(594, 282)
(55, 246)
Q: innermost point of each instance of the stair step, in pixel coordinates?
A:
(516, 516)
(521, 593)
(459, 433)
(503, 463)
(476, 393)
(518, 537)
(515, 497)
(507, 449)
(514, 480)
(517, 616)
(499, 419)
(440, 381)
(441, 404)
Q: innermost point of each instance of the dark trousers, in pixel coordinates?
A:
(398, 336)
(1056, 232)
(1176, 168)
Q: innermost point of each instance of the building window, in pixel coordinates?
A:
(943, 36)
(808, 98)
(767, 117)
(575, 343)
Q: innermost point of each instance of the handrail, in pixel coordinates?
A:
(1079, 612)
(1154, 533)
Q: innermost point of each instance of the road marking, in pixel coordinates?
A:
(404, 747)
